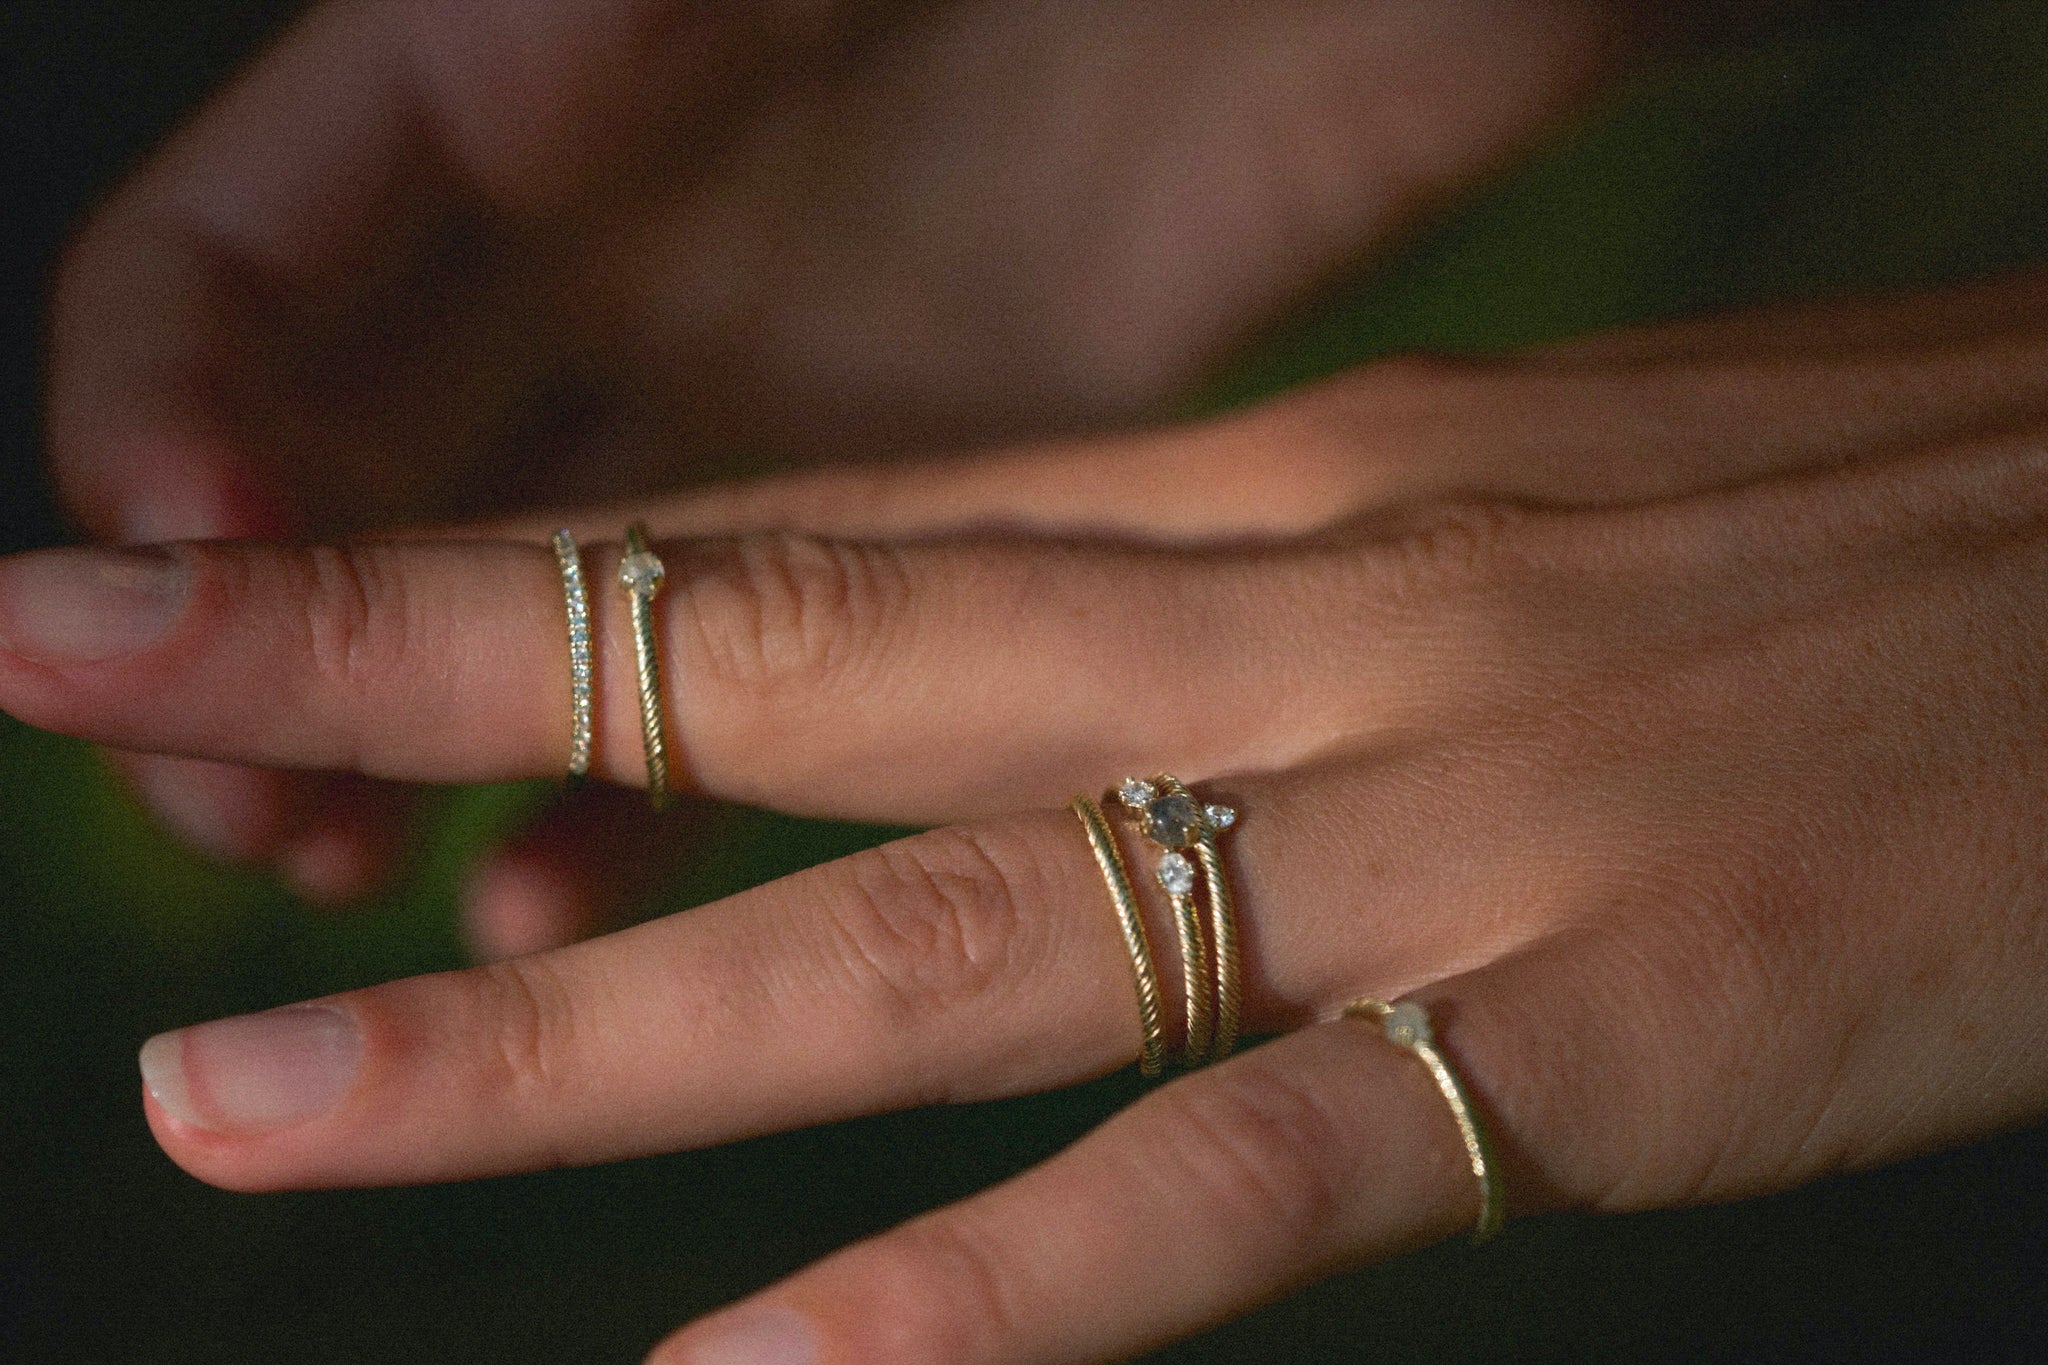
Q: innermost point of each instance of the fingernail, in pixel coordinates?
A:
(755, 1336)
(255, 1072)
(83, 606)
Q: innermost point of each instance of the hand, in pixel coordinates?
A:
(1676, 736)
(429, 262)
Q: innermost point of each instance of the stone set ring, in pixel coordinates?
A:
(1179, 830)
(640, 577)
(1189, 869)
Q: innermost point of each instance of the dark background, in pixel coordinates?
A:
(1905, 144)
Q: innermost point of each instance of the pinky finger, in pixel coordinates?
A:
(1320, 1150)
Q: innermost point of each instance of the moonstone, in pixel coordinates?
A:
(1406, 1024)
(1176, 874)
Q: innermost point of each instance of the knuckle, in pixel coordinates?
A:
(797, 611)
(1461, 548)
(355, 616)
(935, 920)
(1261, 1148)
(527, 1031)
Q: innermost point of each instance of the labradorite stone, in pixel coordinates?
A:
(1173, 821)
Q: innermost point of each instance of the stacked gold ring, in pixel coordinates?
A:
(1167, 815)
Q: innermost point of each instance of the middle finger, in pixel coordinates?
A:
(962, 964)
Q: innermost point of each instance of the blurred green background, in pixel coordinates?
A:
(1891, 144)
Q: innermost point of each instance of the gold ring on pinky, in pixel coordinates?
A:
(640, 576)
(577, 598)
(1152, 1031)
(1406, 1024)
(1170, 818)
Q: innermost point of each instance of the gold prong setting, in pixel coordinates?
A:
(1189, 869)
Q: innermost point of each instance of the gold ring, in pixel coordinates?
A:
(640, 575)
(1168, 815)
(1406, 1024)
(577, 599)
(1152, 1045)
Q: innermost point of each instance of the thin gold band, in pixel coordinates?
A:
(1152, 1047)
(1222, 929)
(576, 598)
(640, 575)
(1198, 977)
(1406, 1024)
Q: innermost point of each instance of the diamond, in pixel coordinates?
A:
(1176, 874)
(1406, 1024)
(1134, 793)
(1219, 817)
(640, 573)
(1173, 820)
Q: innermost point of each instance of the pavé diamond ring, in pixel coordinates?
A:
(577, 598)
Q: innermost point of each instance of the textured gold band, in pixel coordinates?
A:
(1406, 1024)
(1152, 1045)
(576, 598)
(1222, 929)
(1197, 977)
(1166, 813)
(640, 575)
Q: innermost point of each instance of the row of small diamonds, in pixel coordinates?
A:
(577, 598)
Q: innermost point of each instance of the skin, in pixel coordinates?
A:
(429, 262)
(1664, 710)
(1698, 796)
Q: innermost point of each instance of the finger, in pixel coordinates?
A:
(226, 812)
(334, 838)
(372, 147)
(579, 869)
(311, 180)
(1222, 1191)
(832, 678)
(952, 965)
(1261, 475)
(353, 840)
(1645, 415)
(1323, 1150)
(1629, 416)
(961, 964)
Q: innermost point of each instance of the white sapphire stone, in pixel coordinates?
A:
(1406, 1024)
(1134, 793)
(1176, 874)
(640, 573)
(1219, 817)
